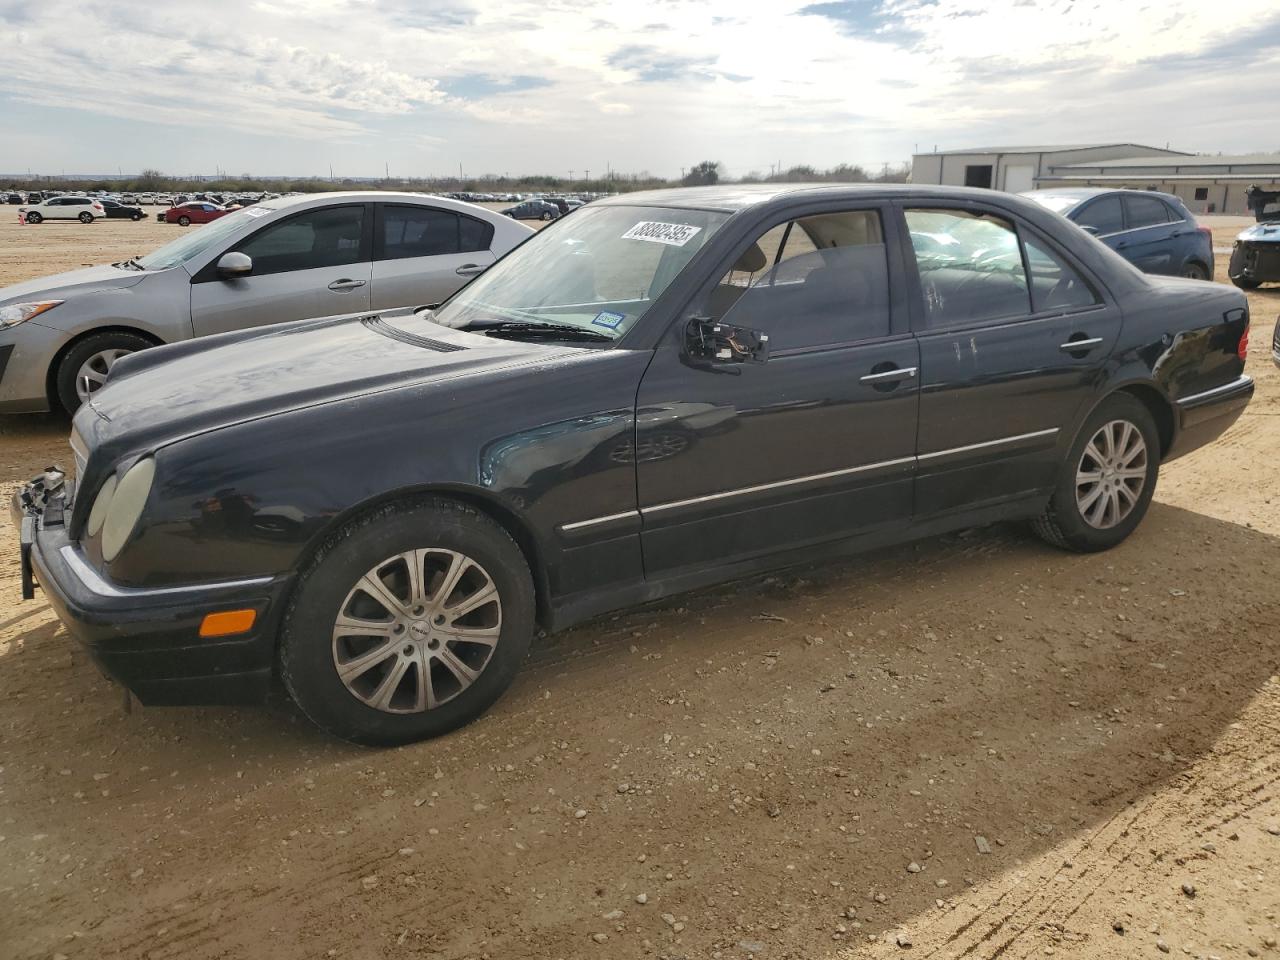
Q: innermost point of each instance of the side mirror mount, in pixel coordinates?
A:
(711, 343)
(233, 265)
(1089, 229)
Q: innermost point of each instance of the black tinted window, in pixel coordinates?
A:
(1055, 284)
(418, 232)
(319, 238)
(1104, 215)
(474, 235)
(1145, 211)
(811, 282)
(970, 267)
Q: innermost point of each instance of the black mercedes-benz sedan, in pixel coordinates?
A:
(660, 392)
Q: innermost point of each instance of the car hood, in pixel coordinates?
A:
(60, 285)
(161, 395)
(1266, 232)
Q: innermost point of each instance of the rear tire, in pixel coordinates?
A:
(1107, 480)
(184, 221)
(86, 217)
(375, 705)
(1195, 271)
(546, 215)
(83, 352)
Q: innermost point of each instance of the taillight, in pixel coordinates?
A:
(1242, 348)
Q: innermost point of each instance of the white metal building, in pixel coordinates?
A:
(1205, 184)
(1016, 169)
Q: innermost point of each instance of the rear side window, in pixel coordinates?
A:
(329, 237)
(417, 232)
(816, 281)
(474, 235)
(1145, 211)
(1104, 215)
(970, 266)
(1055, 284)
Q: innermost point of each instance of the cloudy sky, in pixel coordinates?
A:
(510, 86)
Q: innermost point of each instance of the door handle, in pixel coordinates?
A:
(346, 284)
(1083, 345)
(469, 270)
(889, 376)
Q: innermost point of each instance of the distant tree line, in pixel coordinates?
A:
(703, 173)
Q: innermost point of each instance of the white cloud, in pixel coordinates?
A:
(639, 85)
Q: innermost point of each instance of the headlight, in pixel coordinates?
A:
(15, 313)
(122, 511)
(98, 513)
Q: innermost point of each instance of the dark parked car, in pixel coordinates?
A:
(1153, 231)
(1255, 258)
(674, 389)
(533, 210)
(117, 209)
(15, 198)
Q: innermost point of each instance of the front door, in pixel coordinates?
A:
(813, 445)
(1012, 339)
(313, 264)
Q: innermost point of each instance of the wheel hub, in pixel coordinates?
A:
(1111, 474)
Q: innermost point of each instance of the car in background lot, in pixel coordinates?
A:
(84, 209)
(14, 198)
(382, 509)
(533, 210)
(118, 209)
(194, 211)
(1255, 258)
(1153, 231)
(307, 256)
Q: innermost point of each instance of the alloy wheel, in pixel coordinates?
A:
(1111, 474)
(417, 630)
(93, 372)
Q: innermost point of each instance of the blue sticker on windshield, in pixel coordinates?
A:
(606, 319)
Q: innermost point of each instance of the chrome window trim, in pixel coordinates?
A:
(97, 584)
(1241, 381)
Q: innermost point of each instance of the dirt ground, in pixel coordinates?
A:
(976, 745)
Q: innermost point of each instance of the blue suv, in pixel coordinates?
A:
(1153, 231)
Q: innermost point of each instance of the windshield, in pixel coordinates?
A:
(599, 270)
(199, 240)
(1055, 202)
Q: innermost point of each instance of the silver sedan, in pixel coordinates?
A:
(286, 259)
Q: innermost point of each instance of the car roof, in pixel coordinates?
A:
(1086, 193)
(733, 197)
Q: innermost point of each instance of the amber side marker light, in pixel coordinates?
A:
(227, 623)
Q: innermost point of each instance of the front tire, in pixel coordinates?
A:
(409, 622)
(33, 217)
(135, 217)
(1107, 480)
(86, 217)
(83, 371)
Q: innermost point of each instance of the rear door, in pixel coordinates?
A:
(312, 264)
(423, 254)
(1148, 241)
(1013, 335)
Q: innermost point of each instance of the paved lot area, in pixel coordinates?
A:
(975, 744)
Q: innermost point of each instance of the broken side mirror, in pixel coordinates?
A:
(709, 342)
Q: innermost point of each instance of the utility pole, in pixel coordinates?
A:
(586, 175)
(571, 176)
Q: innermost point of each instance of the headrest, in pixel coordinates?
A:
(752, 260)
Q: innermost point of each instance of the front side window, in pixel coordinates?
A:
(600, 270)
(1104, 215)
(970, 266)
(329, 237)
(816, 281)
(1145, 212)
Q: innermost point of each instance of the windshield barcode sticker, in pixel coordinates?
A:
(672, 234)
